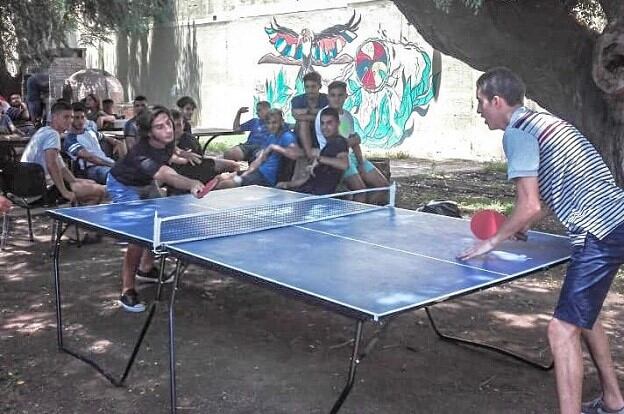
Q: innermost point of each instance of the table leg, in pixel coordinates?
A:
(172, 367)
(58, 232)
(208, 143)
(458, 340)
(355, 360)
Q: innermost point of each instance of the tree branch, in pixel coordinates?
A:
(537, 38)
(612, 8)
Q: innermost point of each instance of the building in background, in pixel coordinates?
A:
(406, 97)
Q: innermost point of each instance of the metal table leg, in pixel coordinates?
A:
(456, 339)
(58, 232)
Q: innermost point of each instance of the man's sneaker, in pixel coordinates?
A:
(129, 300)
(151, 276)
(597, 406)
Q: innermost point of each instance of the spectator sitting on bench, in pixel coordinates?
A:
(44, 149)
(258, 134)
(131, 134)
(327, 167)
(187, 106)
(83, 146)
(265, 169)
(95, 114)
(361, 173)
(18, 112)
(305, 108)
(108, 108)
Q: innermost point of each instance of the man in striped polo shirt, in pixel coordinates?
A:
(550, 161)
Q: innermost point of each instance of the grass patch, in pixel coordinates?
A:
(470, 205)
(393, 155)
(223, 142)
(495, 166)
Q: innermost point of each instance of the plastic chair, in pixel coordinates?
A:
(24, 184)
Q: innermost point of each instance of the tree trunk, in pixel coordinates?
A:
(8, 84)
(540, 41)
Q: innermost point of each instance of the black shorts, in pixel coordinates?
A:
(250, 151)
(255, 178)
(203, 172)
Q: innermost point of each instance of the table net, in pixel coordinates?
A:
(241, 220)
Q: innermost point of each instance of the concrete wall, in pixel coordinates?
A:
(405, 96)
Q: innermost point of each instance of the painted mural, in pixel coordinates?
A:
(390, 82)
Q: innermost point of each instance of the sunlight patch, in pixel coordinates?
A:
(511, 257)
(528, 321)
(101, 346)
(396, 298)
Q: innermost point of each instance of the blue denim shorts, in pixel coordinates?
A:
(352, 169)
(120, 193)
(98, 173)
(588, 279)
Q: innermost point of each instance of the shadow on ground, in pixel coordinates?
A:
(244, 349)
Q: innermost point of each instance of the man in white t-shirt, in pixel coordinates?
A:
(361, 173)
(44, 149)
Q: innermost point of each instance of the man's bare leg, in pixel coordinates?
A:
(225, 165)
(565, 345)
(131, 262)
(354, 183)
(598, 346)
(375, 179)
(234, 154)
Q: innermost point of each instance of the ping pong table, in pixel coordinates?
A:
(369, 263)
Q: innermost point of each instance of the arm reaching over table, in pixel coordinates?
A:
(526, 211)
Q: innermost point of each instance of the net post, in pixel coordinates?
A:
(392, 195)
(156, 235)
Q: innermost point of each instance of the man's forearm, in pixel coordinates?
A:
(94, 159)
(55, 171)
(292, 152)
(341, 163)
(236, 123)
(357, 151)
(25, 114)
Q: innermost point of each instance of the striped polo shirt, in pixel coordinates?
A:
(574, 181)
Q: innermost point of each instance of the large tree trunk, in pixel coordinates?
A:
(540, 41)
(8, 84)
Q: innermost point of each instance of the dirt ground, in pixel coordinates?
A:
(245, 349)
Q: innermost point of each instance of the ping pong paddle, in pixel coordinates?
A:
(485, 223)
(208, 187)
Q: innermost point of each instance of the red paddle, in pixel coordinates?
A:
(208, 187)
(485, 223)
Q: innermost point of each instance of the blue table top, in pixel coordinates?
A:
(375, 264)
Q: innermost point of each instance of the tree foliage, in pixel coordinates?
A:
(569, 52)
(29, 28)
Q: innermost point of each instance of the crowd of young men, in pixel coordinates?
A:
(553, 166)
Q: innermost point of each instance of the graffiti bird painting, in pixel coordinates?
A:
(307, 48)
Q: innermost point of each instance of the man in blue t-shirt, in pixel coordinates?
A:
(266, 167)
(304, 109)
(258, 134)
(551, 162)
